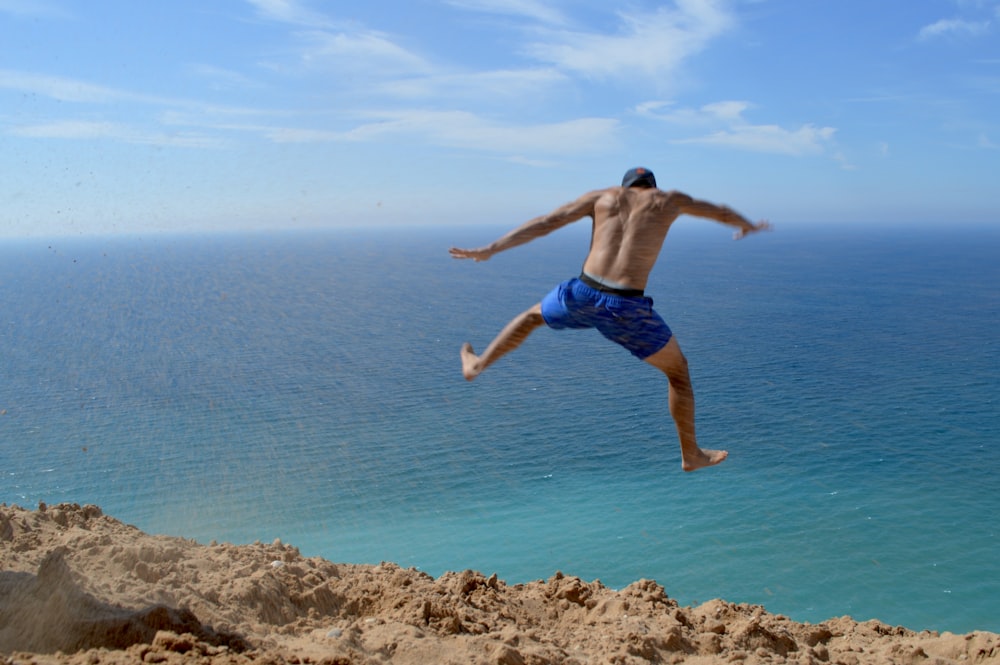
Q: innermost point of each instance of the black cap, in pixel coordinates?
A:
(639, 177)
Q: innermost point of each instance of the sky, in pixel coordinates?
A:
(124, 116)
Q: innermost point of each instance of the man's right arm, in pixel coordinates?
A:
(723, 214)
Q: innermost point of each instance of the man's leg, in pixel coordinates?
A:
(672, 362)
(509, 339)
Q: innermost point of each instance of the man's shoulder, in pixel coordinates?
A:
(605, 196)
(610, 196)
(597, 193)
(672, 196)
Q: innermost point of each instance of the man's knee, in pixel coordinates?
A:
(534, 316)
(670, 360)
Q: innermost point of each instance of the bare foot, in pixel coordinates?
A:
(705, 458)
(470, 362)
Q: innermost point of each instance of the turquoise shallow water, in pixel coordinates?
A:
(307, 387)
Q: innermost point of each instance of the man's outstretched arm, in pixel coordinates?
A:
(534, 228)
(723, 214)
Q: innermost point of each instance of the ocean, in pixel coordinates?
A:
(306, 386)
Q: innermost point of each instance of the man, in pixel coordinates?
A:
(630, 224)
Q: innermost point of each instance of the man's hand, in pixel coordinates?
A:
(762, 225)
(474, 254)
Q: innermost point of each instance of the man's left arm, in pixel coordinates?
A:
(534, 228)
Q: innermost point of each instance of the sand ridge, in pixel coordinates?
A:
(77, 586)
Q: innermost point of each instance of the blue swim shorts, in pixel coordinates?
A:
(628, 321)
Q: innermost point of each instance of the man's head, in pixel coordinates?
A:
(639, 177)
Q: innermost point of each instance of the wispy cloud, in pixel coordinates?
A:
(73, 91)
(341, 48)
(645, 45)
(442, 128)
(83, 130)
(290, 11)
(66, 89)
(806, 140)
(707, 115)
(530, 9)
(34, 9)
(363, 52)
(496, 85)
(455, 129)
(225, 79)
(461, 129)
(728, 128)
(953, 26)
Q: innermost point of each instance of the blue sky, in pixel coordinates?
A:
(134, 116)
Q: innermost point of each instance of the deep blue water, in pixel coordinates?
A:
(308, 387)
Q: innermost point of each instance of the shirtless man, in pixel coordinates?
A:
(630, 225)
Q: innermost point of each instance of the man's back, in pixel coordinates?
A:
(630, 225)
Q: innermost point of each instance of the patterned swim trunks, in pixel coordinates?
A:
(626, 320)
